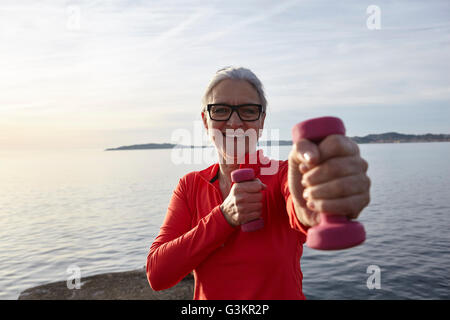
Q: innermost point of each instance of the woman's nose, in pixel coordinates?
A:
(234, 120)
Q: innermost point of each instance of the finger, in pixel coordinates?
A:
(250, 217)
(243, 198)
(350, 206)
(252, 207)
(303, 168)
(311, 218)
(264, 186)
(294, 179)
(254, 197)
(339, 188)
(334, 168)
(305, 152)
(337, 145)
(250, 186)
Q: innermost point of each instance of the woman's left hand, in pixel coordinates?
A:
(329, 177)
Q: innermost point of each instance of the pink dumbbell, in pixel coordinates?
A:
(334, 232)
(241, 175)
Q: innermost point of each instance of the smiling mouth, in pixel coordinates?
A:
(233, 135)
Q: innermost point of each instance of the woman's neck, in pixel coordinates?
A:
(225, 177)
(225, 171)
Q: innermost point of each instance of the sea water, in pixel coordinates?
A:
(100, 211)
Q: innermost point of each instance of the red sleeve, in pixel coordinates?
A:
(293, 220)
(179, 247)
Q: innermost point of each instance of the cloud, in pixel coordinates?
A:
(147, 63)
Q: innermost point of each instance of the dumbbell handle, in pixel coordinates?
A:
(334, 231)
(316, 130)
(241, 175)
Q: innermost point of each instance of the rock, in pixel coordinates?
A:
(129, 285)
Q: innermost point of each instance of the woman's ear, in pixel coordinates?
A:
(261, 128)
(205, 121)
(263, 118)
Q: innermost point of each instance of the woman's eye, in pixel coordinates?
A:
(220, 110)
(250, 111)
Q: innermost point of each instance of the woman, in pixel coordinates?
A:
(201, 231)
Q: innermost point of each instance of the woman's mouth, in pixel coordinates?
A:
(233, 135)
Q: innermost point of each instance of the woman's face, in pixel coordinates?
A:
(234, 138)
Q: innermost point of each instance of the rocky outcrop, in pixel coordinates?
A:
(130, 285)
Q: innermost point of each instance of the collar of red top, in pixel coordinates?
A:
(254, 160)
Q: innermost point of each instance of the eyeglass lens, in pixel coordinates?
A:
(246, 113)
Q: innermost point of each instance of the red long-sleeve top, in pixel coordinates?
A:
(229, 264)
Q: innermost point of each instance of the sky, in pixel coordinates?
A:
(103, 74)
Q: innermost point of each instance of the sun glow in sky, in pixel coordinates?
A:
(100, 74)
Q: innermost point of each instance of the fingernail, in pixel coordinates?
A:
(307, 155)
(306, 194)
(304, 183)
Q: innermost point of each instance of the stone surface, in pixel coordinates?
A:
(129, 285)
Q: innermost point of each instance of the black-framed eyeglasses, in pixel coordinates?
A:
(223, 111)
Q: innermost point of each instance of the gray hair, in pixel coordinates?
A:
(235, 73)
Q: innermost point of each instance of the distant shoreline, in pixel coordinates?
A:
(389, 137)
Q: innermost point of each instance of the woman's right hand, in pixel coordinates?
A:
(244, 202)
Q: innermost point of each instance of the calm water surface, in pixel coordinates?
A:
(101, 211)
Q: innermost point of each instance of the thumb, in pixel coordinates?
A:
(307, 152)
(264, 186)
(294, 182)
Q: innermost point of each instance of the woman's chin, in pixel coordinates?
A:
(233, 150)
(234, 158)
